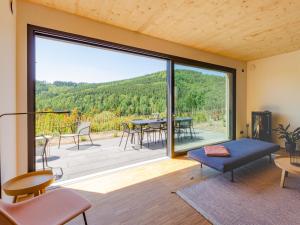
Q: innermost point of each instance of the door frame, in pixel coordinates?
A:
(33, 31)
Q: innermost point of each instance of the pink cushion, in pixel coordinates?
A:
(216, 150)
(52, 208)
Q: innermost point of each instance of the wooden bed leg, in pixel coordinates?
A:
(232, 176)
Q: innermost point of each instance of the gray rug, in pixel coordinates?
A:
(255, 198)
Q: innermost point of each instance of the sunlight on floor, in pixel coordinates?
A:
(131, 176)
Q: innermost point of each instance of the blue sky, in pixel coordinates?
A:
(64, 61)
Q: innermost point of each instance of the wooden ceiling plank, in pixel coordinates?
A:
(241, 29)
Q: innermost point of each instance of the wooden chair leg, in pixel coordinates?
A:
(84, 218)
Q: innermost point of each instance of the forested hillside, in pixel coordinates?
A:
(107, 105)
(143, 95)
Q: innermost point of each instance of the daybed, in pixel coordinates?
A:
(241, 151)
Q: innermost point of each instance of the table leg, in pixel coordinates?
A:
(141, 140)
(42, 191)
(15, 199)
(283, 176)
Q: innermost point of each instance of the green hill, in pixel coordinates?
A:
(140, 96)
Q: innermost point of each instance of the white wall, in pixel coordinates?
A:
(29, 13)
(274, 84)
(7, 89)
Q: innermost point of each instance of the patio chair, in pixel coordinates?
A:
(42, 149)
(154, 128)
(83, 129)
(129, 132)
(42, 152)
(52, 208)
(184, 127)
(164, 129)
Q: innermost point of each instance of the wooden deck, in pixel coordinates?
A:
(106, 154)
(103, 155)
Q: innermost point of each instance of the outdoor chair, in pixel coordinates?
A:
(164, 129)
(55, 207)
(129, 132)
(82, 129)
(153, 129)
(42, 152)
(184, 127)
(41, 149)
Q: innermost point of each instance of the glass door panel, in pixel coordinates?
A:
(117, 103)
(203, 101)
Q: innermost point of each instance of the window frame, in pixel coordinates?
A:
(33, 31)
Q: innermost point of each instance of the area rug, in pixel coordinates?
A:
(255, 198)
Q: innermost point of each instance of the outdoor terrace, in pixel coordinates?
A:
(106, 154)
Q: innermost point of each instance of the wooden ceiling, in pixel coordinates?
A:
(240, 29)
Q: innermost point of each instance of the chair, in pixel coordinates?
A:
(164, 129)
(154, 128)
(52, 208)
(129, 132)
(184, 127)
(42, 152)
(83, 129)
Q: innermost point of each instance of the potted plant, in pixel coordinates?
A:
(290, 137)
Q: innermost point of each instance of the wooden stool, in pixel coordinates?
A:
(30, 183)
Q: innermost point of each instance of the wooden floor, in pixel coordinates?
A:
(143, 195)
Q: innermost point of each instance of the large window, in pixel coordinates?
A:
(172, 104)
(202, 107)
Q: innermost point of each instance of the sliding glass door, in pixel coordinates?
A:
(203, 102)
(138, 104)
(117, 103)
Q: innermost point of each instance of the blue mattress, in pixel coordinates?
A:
(241, 151)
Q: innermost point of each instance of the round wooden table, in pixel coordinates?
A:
(283, 162)
(30, 183)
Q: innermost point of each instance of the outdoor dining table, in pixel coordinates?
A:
(142, 123)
